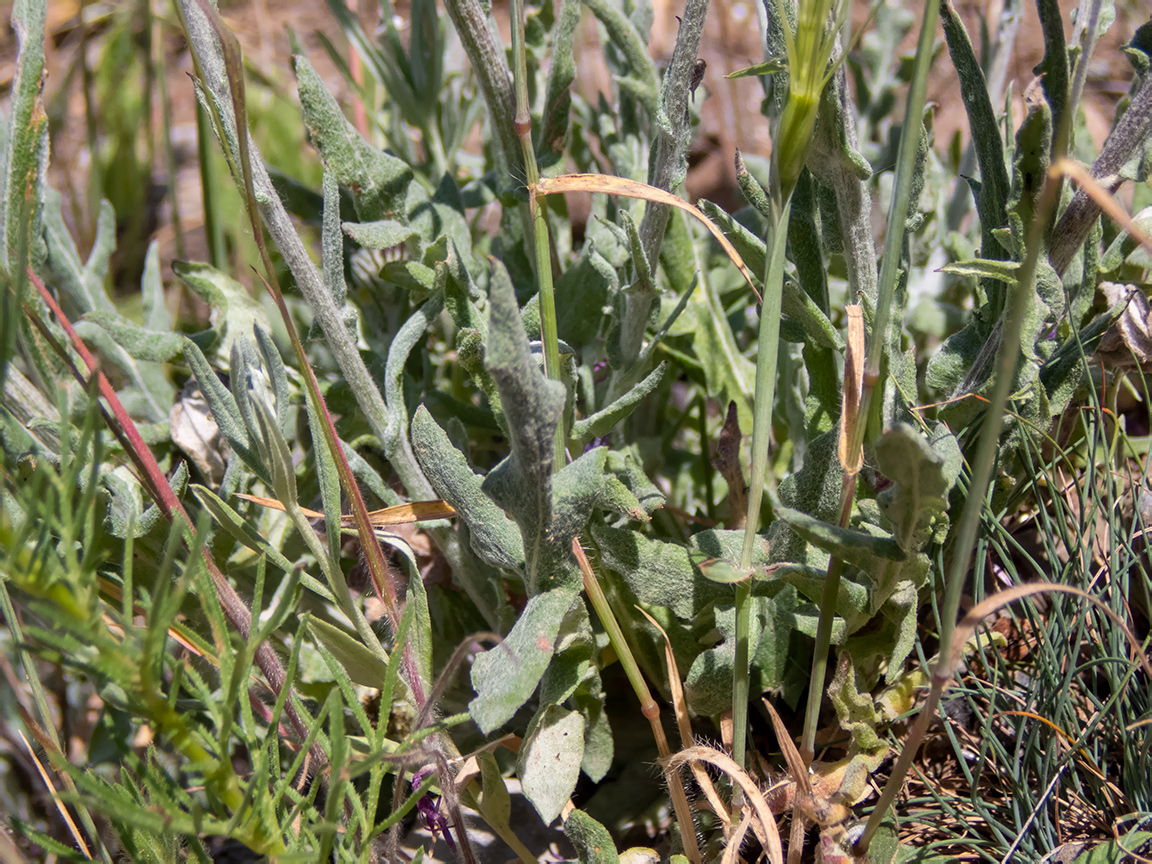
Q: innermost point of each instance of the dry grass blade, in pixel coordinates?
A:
(752, 793)
(966, 628)
(56, 799)
(1068, 168)
(684, 724)
(626, 188)
(732, 850)
(413, 511)
(851, 454)
(799, 771)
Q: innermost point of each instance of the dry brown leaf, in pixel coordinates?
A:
(626, 188)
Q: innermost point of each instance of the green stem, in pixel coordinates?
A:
(537, 225)
(824, 626)
(1008, 354)
(648, 706)
(898, 214)
(210, 190)
(766, 355)
(335, 577)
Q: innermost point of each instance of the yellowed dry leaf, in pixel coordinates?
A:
(853, 385)
(1068, 168)
(752, 793)
(626, 188)
(413, 511)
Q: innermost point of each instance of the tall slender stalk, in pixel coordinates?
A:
(1008, 354)
(537, 225)
(810, 48)
(767, 353)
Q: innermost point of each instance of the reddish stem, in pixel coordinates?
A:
(172, 509)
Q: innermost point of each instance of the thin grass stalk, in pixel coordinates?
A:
(1008, 355)
(210, 191)
(810, 50)
(765, 394)
(852, 460)
(92, 137)
(898, 215)
(158, 488)
(169, 150)
(377, 566)
(823, 641)
(536, 225)
(648, 706)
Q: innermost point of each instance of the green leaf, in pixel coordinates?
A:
(917, 501)
(549, 759)
(494, 804)
(440, 215)
(573, 661)
(410, 275)
(234, 311)
(225, 410)
(521, 484)
(156, 317)
(708, 684)
(138, 343)
(461, 295)
(241, 530)
(992, 197)
(151, 393)
(1030, 168)
(854, 705)
(1115, 850)
(84, 281)
(1053, 70)
(558, 96)
(494, 537)
(381, 234)
(885, 847)
(470, 353)
(657, 572)
(855, 547)
(581, 295)
(125, 506)
(328, 479)
(506, 676)
(24, 161)
(1002, 271)
(379, 182)
(361, 664)
(332, 245)
(592, 841)
(408, 337)
(768, 67)
(641, 80)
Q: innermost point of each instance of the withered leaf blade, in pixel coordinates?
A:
(413, 511)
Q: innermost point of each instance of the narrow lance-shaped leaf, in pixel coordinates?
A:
(522, 483)
(24, 164)
(379, 181)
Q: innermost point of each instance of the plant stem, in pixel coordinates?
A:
(666, 170)
(1007, 357)
(536, 225)
(823, 643)
(648, 706)
(210, 190)
(767, 352)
